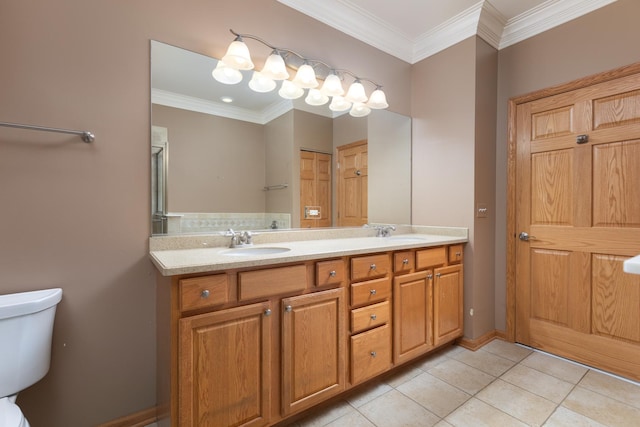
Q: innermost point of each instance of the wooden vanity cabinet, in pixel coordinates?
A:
(448, 304)
(413, 315)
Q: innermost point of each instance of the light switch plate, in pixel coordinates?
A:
(481, 210)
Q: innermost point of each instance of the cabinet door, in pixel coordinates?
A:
(412, 307)
(447, 303)
(224, 372)
(313, 341)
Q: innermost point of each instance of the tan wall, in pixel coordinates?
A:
(602, 40)
(279, 140)
(77, 215)
(216, 164)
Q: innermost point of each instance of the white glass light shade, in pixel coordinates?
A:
(275, 68)
(225, 74)
(359, 110)
(315, 97)
(356, 92)
(238, 56)
(306, 77)
(288, 90)
(377, 100)
(260, 83)
(332, 86)
(338, 103)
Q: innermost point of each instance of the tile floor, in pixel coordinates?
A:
(501, 384)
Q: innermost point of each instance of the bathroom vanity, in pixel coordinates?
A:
(251, 336)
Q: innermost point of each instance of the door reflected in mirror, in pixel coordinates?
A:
(240, 165)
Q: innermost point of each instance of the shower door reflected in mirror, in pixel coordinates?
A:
(159, 168)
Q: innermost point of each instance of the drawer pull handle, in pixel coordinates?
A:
(288, 309)
(205, 293)
(374, 317)
(267, 312)
(373, 354)
(372, 291)
(332, 273)
(405, 261)
(373, 266)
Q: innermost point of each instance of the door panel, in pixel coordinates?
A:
(353, 184)
(577, 171)
(315, 189)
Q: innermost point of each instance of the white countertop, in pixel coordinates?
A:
(632, 265)
(203, 259)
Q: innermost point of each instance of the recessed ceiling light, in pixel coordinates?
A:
(226, 99)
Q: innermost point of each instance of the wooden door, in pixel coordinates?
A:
(353, 184)
(225, 372)
(313, 341)
(413, 312)
(448, 304)
(578, 201)
(315, 189)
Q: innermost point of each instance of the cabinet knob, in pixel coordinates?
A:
(373, 354)
(374, 317)
(438, 275)
(288, 309)
(372, 291)
(267, 312)
(429, 276)
(405, 261)
(332, 273)
(205, 293)
(372, 266)
(458, 254)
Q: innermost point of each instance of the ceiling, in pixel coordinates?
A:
(416, 29)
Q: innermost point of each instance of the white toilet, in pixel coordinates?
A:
(26, 326)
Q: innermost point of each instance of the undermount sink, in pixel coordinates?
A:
(407, 238)
(249, 251)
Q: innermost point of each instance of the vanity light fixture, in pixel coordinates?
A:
(306, 77)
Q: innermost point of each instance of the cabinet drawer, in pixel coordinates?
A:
(272, 281)
(370, 316)
(201, 292)
(403, 262)
(455, 254)
(371, 291)
(369, 267)
(370, 353)
(432, 257)
(330, 272)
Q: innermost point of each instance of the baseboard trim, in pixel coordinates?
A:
(138, 419)
(475, 344)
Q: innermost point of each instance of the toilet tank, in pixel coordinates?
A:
(26, 326)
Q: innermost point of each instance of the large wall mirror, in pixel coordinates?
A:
(225, 157)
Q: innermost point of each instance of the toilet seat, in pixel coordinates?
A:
(11, 415)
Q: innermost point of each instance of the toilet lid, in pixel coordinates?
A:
(11, 415)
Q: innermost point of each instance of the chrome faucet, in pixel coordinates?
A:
(384, 230)
(239, 238)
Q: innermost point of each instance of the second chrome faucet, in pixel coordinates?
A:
(239, 238)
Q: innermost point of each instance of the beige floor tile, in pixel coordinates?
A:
(507, 350)
(476, 413)
(605, 410)
(487, 362)
(394, 409)
(433, 360)
(353, 419)
(434, 394)
(367, 394)
(563, 417)
(443, 423)
(402, 375)
(529, 408)
(613, 387)
(556, 367)
(465, 377)
(547, 386)
(325, 415)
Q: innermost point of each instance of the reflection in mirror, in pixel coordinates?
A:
(245, 164)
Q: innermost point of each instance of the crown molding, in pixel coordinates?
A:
(171, 99)
(358, 23)
(549, 14)
(482, 19)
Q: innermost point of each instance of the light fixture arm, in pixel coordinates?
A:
(304, 59)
